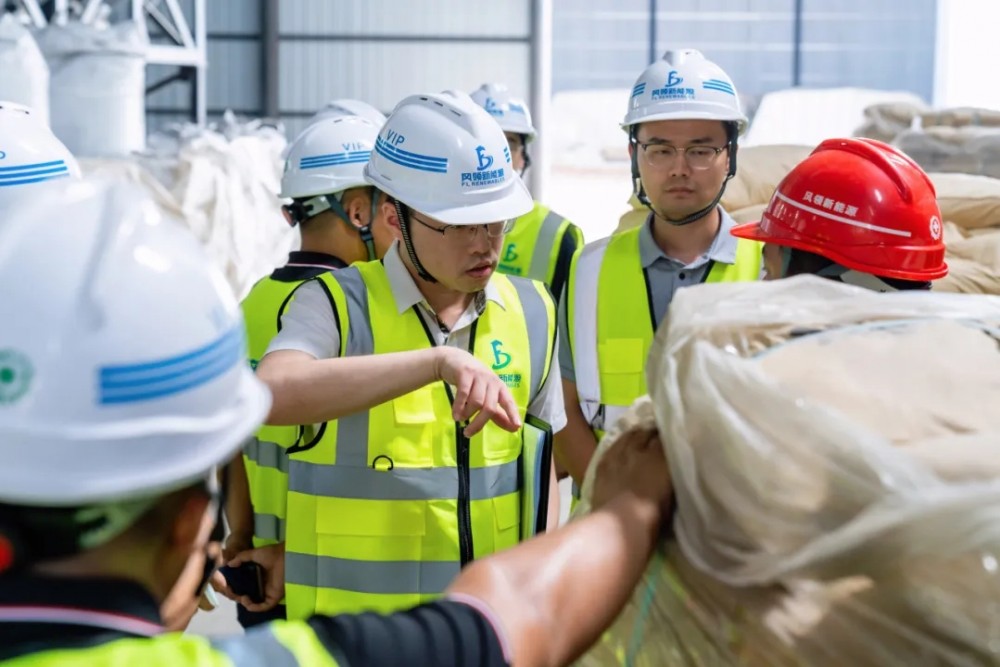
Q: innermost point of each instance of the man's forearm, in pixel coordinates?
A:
(306, 390)
(555, 594)
(575, 445)
(239, 510)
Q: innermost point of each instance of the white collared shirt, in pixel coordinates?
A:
(309, 326)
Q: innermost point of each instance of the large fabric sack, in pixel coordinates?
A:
(834, 454)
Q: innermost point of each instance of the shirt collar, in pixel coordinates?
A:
(316, 259)
(405, 290)
(49, 611)
(722, 250)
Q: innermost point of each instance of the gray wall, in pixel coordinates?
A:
(380, 50)
(887, 44)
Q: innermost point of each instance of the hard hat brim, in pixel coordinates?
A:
(161, 464)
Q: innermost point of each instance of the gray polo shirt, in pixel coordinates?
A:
(666, 276)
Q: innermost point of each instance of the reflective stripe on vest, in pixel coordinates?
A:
(264, 456)
(280, 644)
(373, 507)
(610, 315)
(531, 249)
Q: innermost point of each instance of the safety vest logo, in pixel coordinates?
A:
(510, 254)
(502, 360)
(16, 373)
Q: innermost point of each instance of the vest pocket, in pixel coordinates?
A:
(499, 525)
(364, 530)
(417, 407)
(621, 364)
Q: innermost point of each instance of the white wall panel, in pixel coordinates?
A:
(384, 72)
(509, 18)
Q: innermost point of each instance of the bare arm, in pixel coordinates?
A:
(574, 445)
(239, 511)
(307, 390)
(555, 594)
(554, 500)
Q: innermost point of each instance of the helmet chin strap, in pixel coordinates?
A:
(404, 230)
(316, 205)
(856, 278)
(640, 191)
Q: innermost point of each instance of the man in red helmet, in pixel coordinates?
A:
(858, 211)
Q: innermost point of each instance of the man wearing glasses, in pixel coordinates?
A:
(421, 371)
(683, 121)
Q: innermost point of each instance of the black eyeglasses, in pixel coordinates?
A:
(466, 233)
(663, 156)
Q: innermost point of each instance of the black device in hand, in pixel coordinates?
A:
(246, 579)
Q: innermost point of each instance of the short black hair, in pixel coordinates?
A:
(803, 261)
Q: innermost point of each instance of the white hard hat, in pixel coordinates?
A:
(30, 155)
(511, 112)
(349, 107)
(684, 85)
(444, 156)
(328, 157)
(122, 359)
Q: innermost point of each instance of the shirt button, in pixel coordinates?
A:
(683, 275)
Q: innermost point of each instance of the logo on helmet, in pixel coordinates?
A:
(492, 108)
(2, 155)
(483, 175)
(935, 228)
(671, 90)
(16, 372)
(485, 161)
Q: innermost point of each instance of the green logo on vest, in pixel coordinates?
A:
(16, 372)
(501, 359)
(510, 255)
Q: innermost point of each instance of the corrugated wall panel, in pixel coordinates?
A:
(405, 17)
(382, 73)
(865, 43)
(235, 16)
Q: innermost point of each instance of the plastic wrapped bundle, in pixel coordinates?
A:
(836, 462)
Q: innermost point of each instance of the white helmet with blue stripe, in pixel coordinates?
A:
(511, 112)
(30, 154)
(349, 107)
(684, 85)
(446, 157)
(328, 157)
(123, 370)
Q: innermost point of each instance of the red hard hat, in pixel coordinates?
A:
(861, 204)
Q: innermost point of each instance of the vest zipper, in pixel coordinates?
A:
(465, 543)
(462, 456)
(464, 502)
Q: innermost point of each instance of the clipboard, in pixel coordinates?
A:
(534, 476)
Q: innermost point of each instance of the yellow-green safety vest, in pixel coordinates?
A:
(610, 320)
(390, 503)
(278, 644)
(264, 456)
(531, 249)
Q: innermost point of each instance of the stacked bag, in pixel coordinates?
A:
(834, 458)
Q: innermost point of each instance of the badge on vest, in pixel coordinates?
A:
(502, 360)
(510, 255)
